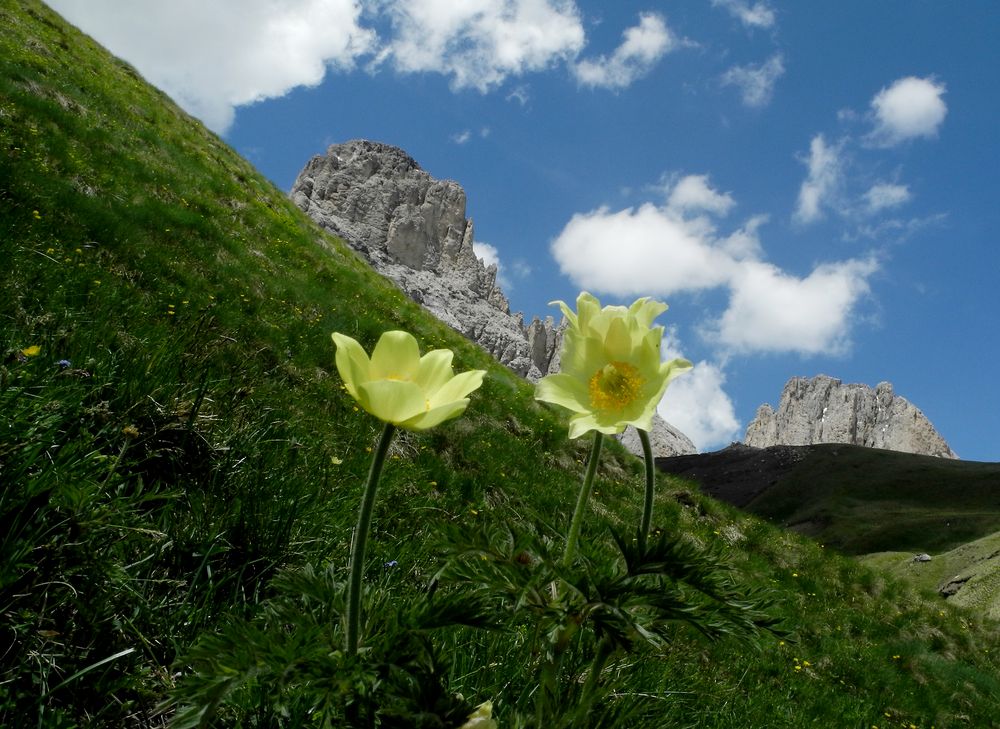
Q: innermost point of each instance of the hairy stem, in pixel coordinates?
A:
(360, 542)
(581, 501)
(647, 506)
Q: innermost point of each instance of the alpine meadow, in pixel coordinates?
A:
(181, 464)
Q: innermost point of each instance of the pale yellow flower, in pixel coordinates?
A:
(398, 386)
(611, 372)
(481, 718)
(31, 351)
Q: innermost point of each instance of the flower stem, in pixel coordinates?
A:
(360, 541)
(605, 649)
(581, 501)
(647, 507)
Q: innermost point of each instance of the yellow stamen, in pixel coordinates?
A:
(614, 386)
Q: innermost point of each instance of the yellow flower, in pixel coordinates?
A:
(481, 718)
(611, 374)
(399, 386)
(31, 351)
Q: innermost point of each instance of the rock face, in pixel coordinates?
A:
(824, 410)
(412, 229)
(664, 440)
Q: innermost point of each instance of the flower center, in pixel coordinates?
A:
(614, 386)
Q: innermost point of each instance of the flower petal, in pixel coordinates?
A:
(675, 367)
(352, 362)
(586, 422)
(396, 357)
(392, 401)
(567, 312)
(434, 369)
(437, 415)
(456, 388)
(565, 390)
(645, 310)
(587, 307)
(618, 341)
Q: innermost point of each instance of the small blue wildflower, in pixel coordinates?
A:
(391, 563)
(64, 363)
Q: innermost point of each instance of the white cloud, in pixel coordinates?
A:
(645, 250)
(886, 195)
(756, 15)
(770, 310)
(910, 108)
(521, 268)
(756, 83)
(480, 43)
(642, 46)
(698, 406)
(744, 243)
(461, 137)
(214, 56)
(696, 403)
(520, 94)
(821, 183)
(658, 251)
(693, 193)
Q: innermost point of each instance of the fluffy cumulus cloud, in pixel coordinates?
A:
(756, 83)
(642, 46)
(752, 15)
(480, 43)
(694, 193)
(213, 56)
(822, 181)
(908, 109)
(770, 310)
(638, 250)
(664, 250)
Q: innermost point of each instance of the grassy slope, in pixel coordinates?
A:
(976, 564)
(864, 500)
(195, 304)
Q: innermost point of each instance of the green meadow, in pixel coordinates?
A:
(180, 469)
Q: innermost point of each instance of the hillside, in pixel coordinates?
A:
(856, 499)
(177, 454)
(968, 575)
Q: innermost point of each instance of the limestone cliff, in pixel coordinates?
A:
(824, 410)
(412, 229)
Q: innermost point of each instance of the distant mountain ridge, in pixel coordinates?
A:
(823, 409)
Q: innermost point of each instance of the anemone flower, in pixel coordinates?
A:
(398, 386)
(611, 372)
(402, 389)
(611, 376)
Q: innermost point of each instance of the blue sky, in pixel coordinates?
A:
(811, 186)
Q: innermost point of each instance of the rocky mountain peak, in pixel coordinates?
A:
(412, 229)
(823, 409)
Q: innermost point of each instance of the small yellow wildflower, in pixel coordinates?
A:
(481, 718)
(31, 351)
